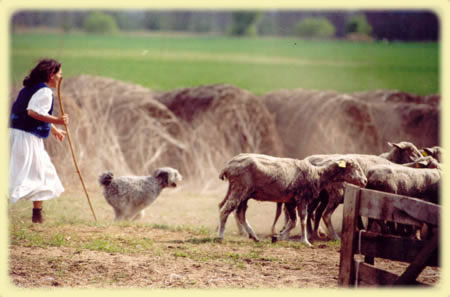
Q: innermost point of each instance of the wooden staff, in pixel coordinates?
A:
(71, 149)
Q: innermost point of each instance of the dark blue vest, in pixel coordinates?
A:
(20, 119)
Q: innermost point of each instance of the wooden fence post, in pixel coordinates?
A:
(348, 245)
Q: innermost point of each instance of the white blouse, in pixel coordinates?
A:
(41, 101)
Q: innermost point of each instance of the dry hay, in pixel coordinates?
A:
(237, 116)
(222, 121)
(312, 122)
(130, 129)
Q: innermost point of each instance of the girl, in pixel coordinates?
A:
(32, 175)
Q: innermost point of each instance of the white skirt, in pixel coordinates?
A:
(32, 175)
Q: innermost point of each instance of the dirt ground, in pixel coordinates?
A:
(277, 267)
(175, 256)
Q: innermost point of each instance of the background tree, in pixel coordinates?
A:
(358, 24)
(412, 25)
(244, 23)
(318, 27)
(100, 22)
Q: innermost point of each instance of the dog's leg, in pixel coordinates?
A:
(118, 214)
(139, 215)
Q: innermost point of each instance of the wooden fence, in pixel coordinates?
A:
(395, 208)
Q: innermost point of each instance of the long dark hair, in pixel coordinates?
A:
(42, 72)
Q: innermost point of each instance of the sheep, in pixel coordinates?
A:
(422, 183)
(333, 194)
(404, 180)
(402, 152)
(267, 178)
(435, 151)
(424, 162)
(335, 191)
(130, 195)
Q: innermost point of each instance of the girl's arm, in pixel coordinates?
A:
(49, 118)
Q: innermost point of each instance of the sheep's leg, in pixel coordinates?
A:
(327, 220)
(302, 209)
(286, 217)
(311, 207)
(221, 204)
(292, 220)
(324, 203)
(242, 208)
(290, 214)
(277, 215)
(241, 229)
(316, 208)
(232, 202)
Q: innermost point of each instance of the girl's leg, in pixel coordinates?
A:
(37, 212)
(38, 204)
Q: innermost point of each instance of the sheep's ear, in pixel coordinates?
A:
(342, 164)
(397, 145)
(424, 163)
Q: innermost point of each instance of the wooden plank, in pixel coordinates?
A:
(372, 276)
(394, 248)
(397, 208)
(385, 206)
(348, 244)
(416, 267)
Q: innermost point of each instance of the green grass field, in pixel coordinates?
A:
(165, 62)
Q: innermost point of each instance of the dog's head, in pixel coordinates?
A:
(167, 177)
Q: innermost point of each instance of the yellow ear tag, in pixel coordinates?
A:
(424, 153)
(342, 164)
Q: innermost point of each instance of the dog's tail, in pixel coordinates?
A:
(106, 178)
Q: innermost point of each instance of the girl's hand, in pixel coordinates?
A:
(58, 133)
(63, 120)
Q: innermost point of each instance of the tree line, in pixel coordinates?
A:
(408, 25)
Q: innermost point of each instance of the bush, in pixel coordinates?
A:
(358, 24)
(315, 28)
(100, 23)
(244, 23)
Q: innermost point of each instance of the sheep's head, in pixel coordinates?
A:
(426, 162)
(435, 152)
(346, 170)
(403, 152)
(167, 177)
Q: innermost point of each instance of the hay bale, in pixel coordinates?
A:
(312, 122)
(398, 97)
(241, 122)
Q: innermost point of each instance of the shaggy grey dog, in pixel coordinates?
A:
(130, 195)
